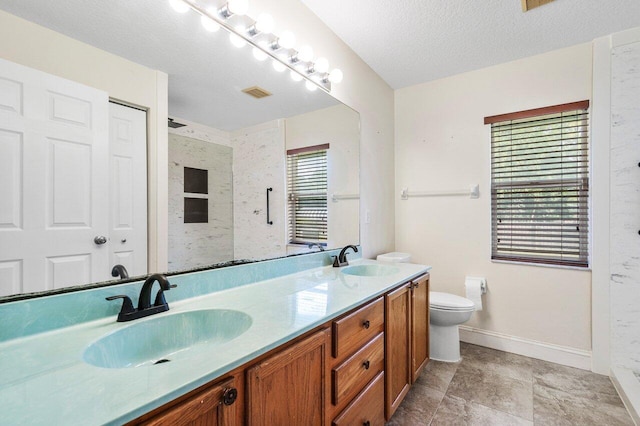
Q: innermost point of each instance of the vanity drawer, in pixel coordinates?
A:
(366, 408)
(352, 331)
(350, 377)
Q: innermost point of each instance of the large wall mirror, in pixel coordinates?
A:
(250, 177)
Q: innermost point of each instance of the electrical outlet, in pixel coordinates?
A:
(367, 216)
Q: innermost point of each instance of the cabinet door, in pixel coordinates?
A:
(214, 406)
(398, 347)
(290, 387)
(420, 326)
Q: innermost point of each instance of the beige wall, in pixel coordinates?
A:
(339, 127)
(441, 143)
(37, 47)
(364, 91)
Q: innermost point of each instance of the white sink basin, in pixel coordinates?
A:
(370, 270)
(159, 339)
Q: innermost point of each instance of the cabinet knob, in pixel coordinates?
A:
(366, 324)
(229, 396)
(416, 284)
(366, 364)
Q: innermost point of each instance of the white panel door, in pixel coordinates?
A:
(128, 188)
(53, 181)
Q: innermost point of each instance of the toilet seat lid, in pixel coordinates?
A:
(450, 302)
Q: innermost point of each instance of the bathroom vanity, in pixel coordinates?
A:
(334, 374)
(322, 346)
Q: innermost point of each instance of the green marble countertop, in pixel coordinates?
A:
(44, 380)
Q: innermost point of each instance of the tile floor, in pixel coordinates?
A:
(490, 387)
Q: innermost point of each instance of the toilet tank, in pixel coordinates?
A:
(394, 257)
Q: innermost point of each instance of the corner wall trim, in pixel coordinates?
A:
(545, 351)
(628, 387)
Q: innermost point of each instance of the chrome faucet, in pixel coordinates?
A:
(341, 259)
(120, 270)
(128, 312)
(312, 245)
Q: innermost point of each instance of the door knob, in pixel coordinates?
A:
(100, 239)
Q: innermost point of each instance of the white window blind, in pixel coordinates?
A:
(540, 185)
(307, 194)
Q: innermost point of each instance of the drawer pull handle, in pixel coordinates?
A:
(366, 324)
(366, 364)
(367, 423)
(229, 396)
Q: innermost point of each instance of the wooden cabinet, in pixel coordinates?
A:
(407, 339)
(398, 347)
(215, 405)
(354, 373)
(366, 408)
(358, 365)
(290, 387)
(420, 325)
(353, 330)
(377, 352)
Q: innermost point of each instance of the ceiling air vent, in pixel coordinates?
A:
(256, 92)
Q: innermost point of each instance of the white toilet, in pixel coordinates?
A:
(447, 312)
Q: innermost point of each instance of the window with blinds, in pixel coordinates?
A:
(540, 185)
(307, 194)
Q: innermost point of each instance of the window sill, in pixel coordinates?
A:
(544, 265)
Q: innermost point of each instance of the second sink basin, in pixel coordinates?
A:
(157, 340)
(370, 270)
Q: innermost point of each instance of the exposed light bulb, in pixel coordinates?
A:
(236, 40)
(295, 76)
(238, 7)
(335, 76)
(321, 65)
(179, 6)
(264, 23)
(287, 40)
(259, 54)
(279, 66)
(310, 86)
(209, 24)
(305, 53)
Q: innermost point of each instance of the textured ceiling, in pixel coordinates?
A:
(206, 73)
(413, 41)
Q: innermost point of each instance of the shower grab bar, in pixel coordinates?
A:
(472, 192)
(269, 222)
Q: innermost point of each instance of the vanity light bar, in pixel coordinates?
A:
(316, 74)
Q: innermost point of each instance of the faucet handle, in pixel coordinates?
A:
(160, 300)
(127, 304)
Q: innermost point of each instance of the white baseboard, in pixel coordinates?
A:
(545, 351)
(628, 387)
